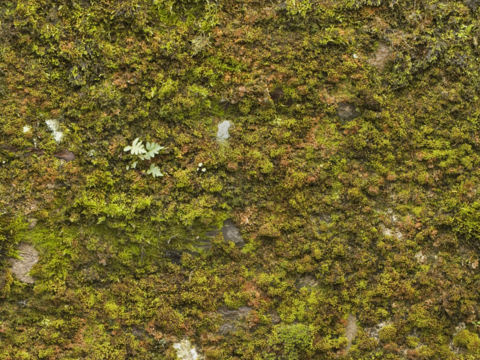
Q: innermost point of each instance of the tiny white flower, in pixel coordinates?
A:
(200, 165)
(204, 169)
(355, 56)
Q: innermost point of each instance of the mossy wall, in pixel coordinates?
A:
(353, 160)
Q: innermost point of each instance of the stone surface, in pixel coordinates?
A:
(232, 317)
(351, 330)
(308, 281)
(346, 111)
(375, 330)
(274, 316)
(381, 57)
(65, 155)
(21, 267)
(232, 233)
(222, 133)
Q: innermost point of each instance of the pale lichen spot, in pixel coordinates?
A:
(54, 127)
(186, 351)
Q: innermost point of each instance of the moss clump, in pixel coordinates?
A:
(469, 341)
(388, 334)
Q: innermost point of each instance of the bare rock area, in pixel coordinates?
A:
(21, 267)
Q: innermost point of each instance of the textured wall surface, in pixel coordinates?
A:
(348, 179)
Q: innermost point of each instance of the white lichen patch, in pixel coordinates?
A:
(186, 351)
(54, 127)
(222, 133)
(390, 229)
(22, 266)
(420, 257)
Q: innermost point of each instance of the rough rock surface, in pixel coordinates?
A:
(21, 267)
(232, 317)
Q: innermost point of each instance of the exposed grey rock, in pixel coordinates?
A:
(381, 57)
(222, 133)
(274, 316)
(351, 330)
(32, 223)
(65, 155)
(232, 317)
(308, 281)
(232, 233)
(21, 267)
(375, 330)
(347, 111)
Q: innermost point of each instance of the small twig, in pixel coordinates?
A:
(168, 242)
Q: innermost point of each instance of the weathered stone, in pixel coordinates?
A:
(346, 111)
(307, 281)
(65, 155)
(232, 317)
(232, 233)
(274, 316)
(381, 57)
(351, 330)
(21, 267)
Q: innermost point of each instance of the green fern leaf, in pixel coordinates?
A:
(154, 170)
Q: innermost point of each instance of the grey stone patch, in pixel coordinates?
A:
(347, 111)
(308, 281)
(381, 57)
(274, 316)
(21, 267)
(222, 133)
(32, 223)
(232, 233)
(232, 318)
(351, 330)
(375, 330)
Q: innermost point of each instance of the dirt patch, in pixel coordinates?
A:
(29, 257)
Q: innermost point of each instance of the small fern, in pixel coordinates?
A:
(152, 150)
(154, 170)
(138, 149)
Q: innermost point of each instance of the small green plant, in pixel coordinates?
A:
(146, 152)
(154, 170)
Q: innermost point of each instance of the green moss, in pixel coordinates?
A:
(378, 206)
